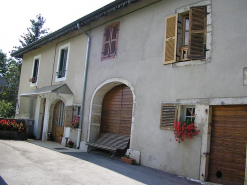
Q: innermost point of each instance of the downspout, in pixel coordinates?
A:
(83, 87)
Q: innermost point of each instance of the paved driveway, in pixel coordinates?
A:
(24, 163)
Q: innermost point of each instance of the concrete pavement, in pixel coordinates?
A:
(24, 162)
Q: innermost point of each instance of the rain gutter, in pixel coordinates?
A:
(83, 87)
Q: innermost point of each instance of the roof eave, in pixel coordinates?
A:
(73, 26)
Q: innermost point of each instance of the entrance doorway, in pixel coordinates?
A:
(58, 120)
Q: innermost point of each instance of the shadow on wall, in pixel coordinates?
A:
(2, 182)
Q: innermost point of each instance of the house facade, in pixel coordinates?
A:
(51, 84)
(150, 63)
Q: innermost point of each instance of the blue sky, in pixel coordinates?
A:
(15, 16)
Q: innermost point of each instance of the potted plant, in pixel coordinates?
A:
(128, 160)
(61, 138)
(75, 122)
(70, 144)
(31, 80)
(49, 136)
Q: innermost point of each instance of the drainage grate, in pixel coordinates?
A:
(60, 148)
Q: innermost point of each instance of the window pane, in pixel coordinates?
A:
(186, 38)
(35, 70)
(190, 111)
(63, 63)
(187, 22)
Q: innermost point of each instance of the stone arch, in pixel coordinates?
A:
(96, 106)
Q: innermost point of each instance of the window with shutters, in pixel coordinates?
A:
(110, 41)
(168, 115)
(62, 63)
(186, 34)
(34, 76)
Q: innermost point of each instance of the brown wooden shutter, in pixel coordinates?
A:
(110, 41)
(69, 110)
(168, 115)
(170, 39)
(106, 47)
(197, 32)
(114, 31)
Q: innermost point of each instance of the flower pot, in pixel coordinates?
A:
(70, 146)
(128, 160)
(31, 80)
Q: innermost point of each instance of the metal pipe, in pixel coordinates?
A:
(83, 87)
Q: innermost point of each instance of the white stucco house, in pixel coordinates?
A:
(140, 66)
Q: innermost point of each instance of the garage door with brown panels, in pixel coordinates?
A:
(228, 145)
(116, 114)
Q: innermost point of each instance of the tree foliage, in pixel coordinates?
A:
(10, 70)
(6, 109)
(34, 32)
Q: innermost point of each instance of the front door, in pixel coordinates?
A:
(58, 120)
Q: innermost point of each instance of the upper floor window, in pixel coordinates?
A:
(62, 63)
(110, 41)
(185, 37)
(34, 76)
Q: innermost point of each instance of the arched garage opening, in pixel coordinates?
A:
(116, 114)
(112, 109)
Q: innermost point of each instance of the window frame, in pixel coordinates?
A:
(185, 107)
(59, 61)
(192, 59)
(110, 41)
(33, 84)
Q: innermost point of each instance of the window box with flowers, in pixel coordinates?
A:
(186, 129)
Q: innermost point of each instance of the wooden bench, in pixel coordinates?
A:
(110, 142)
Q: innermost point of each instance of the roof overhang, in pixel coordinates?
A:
(60, 89)
(115, 5)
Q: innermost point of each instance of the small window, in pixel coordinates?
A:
(110, 41)
(188, 114)
(168, 115)
(62, 62)
(185, 36)
(35, 70)
(34, 77)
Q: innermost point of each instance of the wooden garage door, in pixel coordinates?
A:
(117, 111)
(228, 145)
